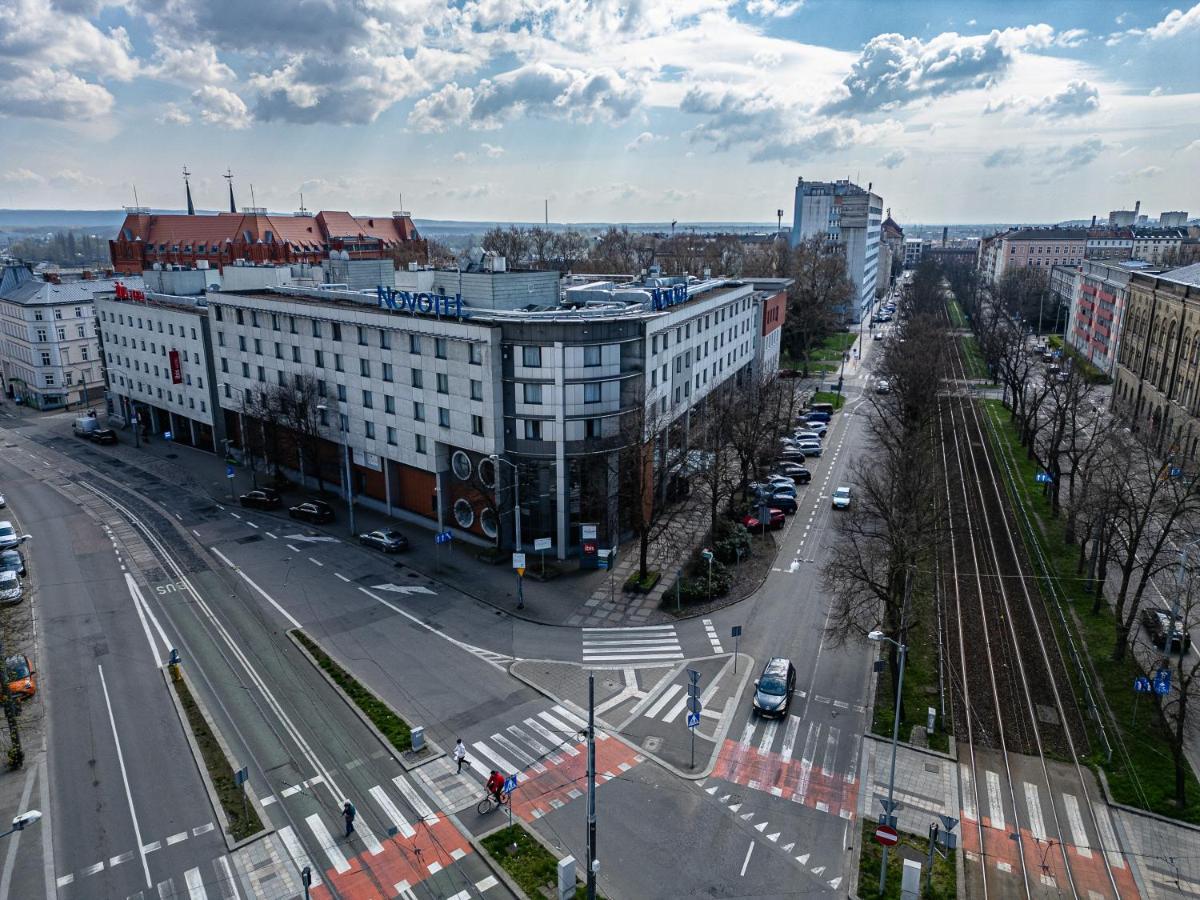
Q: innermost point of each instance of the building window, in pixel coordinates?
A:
(254, 318)
(414, 344)
(385, 340)
(531, 357)
(416, 377)
(322, 389)
(79, 331)
(389, 403)
(224, 365)
(58, 315)
(295, 354)
(41, 335)
(369, 429)
(533, 430)
(591, 428)
(591, 392)
(341, 393)
(337, 363)
(591, 356)
(476, 388)
(443, 383)
(477, 425)
(45, 358)
(274, 321)
(319, 359)
(475, 354)
(387, 371)
(84, 352)
(362, 336)
(258, 346)
(278, 350)
(419, 440)
(50, 380)
(281, 379)
(368, 400)
(316, 328)
(419, 412)
(443, 417)
(241, 319)
(246, 370)
(324, 417)
(337, 331)
(391, 435)
(439, 348)
(364, 368)
(533, 393)
(62, 333)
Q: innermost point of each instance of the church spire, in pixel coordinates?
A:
(187, 185)
(228, 176)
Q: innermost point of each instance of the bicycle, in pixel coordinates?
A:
(488, 803)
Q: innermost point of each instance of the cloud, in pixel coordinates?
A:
(893, 158)
(1176, 23)
(173, 115)
(460, 156)
(1078, 98)
(1005, 156)
(449, 106)
(1071, 38)
(1074, 156)
(777, 9)
(351, 87)
(221, 107)
(672, 195)
(1149, 172)
(491, 151)
(645, 139)
(893, 69)
(190, 65)
(64, 178)
(1156, 91)
(45, 93)
(22, 176)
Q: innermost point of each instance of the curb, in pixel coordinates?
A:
(1133, 810)
(399, 756)
(198, 759)
(580, 872)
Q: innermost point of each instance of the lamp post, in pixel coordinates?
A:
(342, 429)
(497, 458)
(878, 636)
(242, 428)
(22, 821)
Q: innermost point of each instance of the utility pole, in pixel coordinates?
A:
(591, 779)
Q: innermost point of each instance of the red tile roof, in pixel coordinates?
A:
(310, 232)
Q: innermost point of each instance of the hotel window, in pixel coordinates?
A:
(246, 370)
(532, 393)
(242, 342)
(443, 417)
(337, 363)
(224, 365)
(337, 331)
(241, 319)
(476, 389)
(316, 328)
(391, 435)
(274, 321)
(258, 346)
(419, 412)
(591, 356)
(531, 357)
(416, 377)
(414, 344)
(475, 354)
(369, 429)
(362, 336)
(254, 318)
(591, 392)
(477, 425)
(443, 383)
(419, 442)
(439, 348)
(368, 400)
(533, 430)
(389, 404)
(387, 371)
(385, 340)
(291, 325)
(364, 368)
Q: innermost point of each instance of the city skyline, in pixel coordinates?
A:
(611, 112)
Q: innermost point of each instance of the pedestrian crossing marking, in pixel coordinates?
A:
(535, 745)
(621, 647)
(968, 793)
(326, 842)
(296, 852)
(501, 764)
(527, 761)
(995, 801)
(787, 848)
(803, 860)
(415, 800)
(663, 699)
(1075, 821)
(392, 812)
(195, 884)
(1033, 804)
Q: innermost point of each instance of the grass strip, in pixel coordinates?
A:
(828, 397)
(1146, 768)
(911, 846)
(390, 725)
(527, 862)
(976, 367)
(839, 342)
(243, 821)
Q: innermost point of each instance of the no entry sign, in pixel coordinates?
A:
(886, 835)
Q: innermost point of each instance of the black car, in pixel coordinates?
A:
(773, 688)
(261, 498)
(794, 471)
(103, 436)
(791, 455)
(12, 561)
(388, 540)
(312, 511)
(786, 502)
(1157, 623)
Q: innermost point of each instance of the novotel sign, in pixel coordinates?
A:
(432, 304)
(668, 296)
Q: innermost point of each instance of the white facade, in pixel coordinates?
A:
(1157, 245)
(913, 250)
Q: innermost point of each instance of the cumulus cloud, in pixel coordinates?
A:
(1073, 156)
(461, 156)
(1156, 91)
(221, 107)
(173, 115)
(645, 139)
(351, 87)
(1071, 38)
(777, 9)
(189, 65)
(64, 178)
(893, 158)
(491, 151)
(893, 69)
(1078, 98)
(45, 93)
(1005, 156)
(673, 195)
(1176, 23)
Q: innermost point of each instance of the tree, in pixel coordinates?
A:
(569, 248)
(643, 509)
(512, 243)
(1176, 705)
(541, 243)
(817, 298)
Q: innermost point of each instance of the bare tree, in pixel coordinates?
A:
(643, 509)
(512, 243)
(817, 299)
(541, 242)
(1176, 705)
(568, 248)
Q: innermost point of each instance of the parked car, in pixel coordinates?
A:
(261, 498)
(878, 336)
(760, 487)
(882, 386)
(818, 426)
(827, 408)
(1158, 623)
(803, 434)
(3, 502)
(388, 540)
(841, 498)
(773, 688)
(20, 676)
(811, 448)
(810, 418)
(792, 456)
(797, 473)
(12, 561)
(85, 425)
(9, 537)
(785, 501)
(775, 519)
(312, 511)
(103, 436)
(10, 587)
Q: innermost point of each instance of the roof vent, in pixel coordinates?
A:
(254, 210)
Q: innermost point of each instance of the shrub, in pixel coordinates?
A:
(727, 545)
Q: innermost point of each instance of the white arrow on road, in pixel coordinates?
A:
(312, 538)
(402, 589)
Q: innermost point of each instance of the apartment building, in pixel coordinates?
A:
(1098, 309)
(1158, 246)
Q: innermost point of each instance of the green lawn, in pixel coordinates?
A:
(976, 367)
(957, 319)
(945, 877)
(528, 863)
(828, 397)
(1141, 773)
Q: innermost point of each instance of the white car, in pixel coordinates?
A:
(9, 537)
(882, 386)
(3, 502)
(801, 436)
(841, 498)
(10, 587)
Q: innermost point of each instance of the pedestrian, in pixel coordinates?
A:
(348, 813)
(460, 755)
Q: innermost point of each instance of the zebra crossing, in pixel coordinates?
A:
(641, 644)
(214, 881)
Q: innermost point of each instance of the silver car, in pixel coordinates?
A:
(9, 537)
(10, 587)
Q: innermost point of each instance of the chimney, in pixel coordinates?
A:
(1093, 221)
(945, 234)
(1137, 208)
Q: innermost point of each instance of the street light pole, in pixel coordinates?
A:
(880, 636)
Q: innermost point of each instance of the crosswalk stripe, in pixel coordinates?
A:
(404, 889)
(195, 884)
(1033, 805)
(663, 699)
(768, 736)
(641, 642)
(789, 738)
(806, 759)
(561, 743)
(995, 802)
(747, 733)
(1104, 823)
(486, 884)
(520, 754)
(631, 656)
(368, 837)
(326, 842)
(831, 742)
(673, 713)
(564, 730)
(533, 744)
(392, 811)
(166, 889)
(415, 800)
(634, 628)
(225, 879)
(296, 852)
(968, 793)
(580, 723)
(1078, 834)
(501, 764)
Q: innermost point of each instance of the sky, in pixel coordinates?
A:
(612, 110)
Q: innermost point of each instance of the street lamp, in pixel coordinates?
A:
(242, 428)
(346, 460)
(497, 458)
(20, 822)
(879, 636)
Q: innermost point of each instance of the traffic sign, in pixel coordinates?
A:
(1176, 471)
(443, 537)
(889, 806)
(887, 835)
(948, 822)
(241, 776)
(737, 631)
(694, 704)
(1141, 685)
(693, 719)
(1162, 681)
(518, 560)
(510, 784)
(1044, 478)
(706, 555)
(167, 435)
(229, 471)
(693, 676)
(541, 544)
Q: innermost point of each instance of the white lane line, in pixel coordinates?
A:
(235, 515)
(995, 803)
(620, 657)
(316, 562)
(136, 594)
(93, 869)
(1033, 807)
(415, 800)
(662, 643)
(152, 846)
(295, 623)
(251, 524)
(195, 532)
(341, 576)
(295, 850)
(137, 829)
(326, 842)
(202, 829)
(195, 885)
(229, 888)
(392, 811)
(273, 537)
(662, 701)
(746, 861)
(64, 880)
(120, 858)
(1075, 819)
(293, 548)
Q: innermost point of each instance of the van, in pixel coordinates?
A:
(817, 417)
(85, 425)
(821, 408)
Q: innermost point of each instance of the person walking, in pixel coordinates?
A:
(348, 813)
(460, 755)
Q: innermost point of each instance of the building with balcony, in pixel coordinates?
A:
(1098, 309)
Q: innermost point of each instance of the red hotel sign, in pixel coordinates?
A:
(176, 368)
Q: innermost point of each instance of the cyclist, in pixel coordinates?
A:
(495, 786)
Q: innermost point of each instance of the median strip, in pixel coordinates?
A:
(527, 862)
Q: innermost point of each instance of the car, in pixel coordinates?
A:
(819, 427)
(801, 435)
(775, 519)
(785, 501)
(812, 417)
(810, 448)
(12, 561)
(778, 481)
(1157, 623)
(882, 386)
(841, 498)
(103, 436)
(796, 472)
(879, 336)
(792, 456)
(20, 676)
(3, 502)
(10, 587)
(828, 408)
(389, 540)
(760, 487)
(261, 498)
(312, 511)
(773, 688)
(9, 537)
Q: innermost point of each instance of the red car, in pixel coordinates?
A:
(776, 519)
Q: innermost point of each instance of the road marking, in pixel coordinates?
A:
(152, 846)
(673, 713)
(747, 733)
(520, 754)
(1033, 804)
(137, 829)
(806, 761)
(299, 858)
(563, 729)
(486, 884)
(995, 803)
(293, 548)
(831, 742)
(93, 869)
(502, 764)
(746, 861)
(415, 800)
(273, 537)
(195, 532)
(1078, 834)
(341, 576)
(768, 737)
(251, 524)
(392, 811)
(136, 594)
(559, 743)
(662, 701)
(295, 623)
(542, 751)
(235, 515)
(1107, 838)
(120, 858)
(64, 880)
(195, 884)
(202, 829)
(177, 838)
(968, 794)
(316, 562)
(326, 842)
(789, 738)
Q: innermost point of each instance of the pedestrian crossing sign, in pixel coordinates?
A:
(693, 719)
(510, 784)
